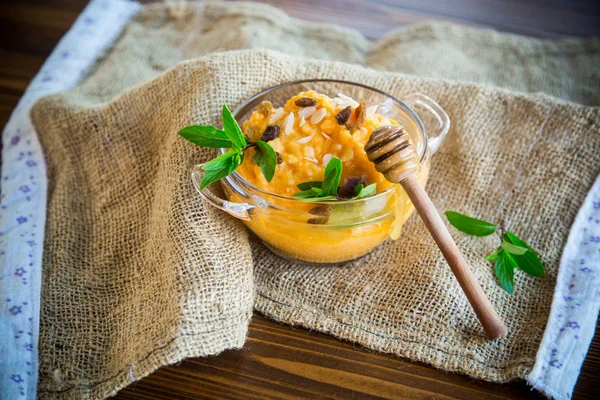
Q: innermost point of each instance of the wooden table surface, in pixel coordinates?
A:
(279, 361)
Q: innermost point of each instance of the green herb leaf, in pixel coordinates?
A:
(313, 194)
(333, 173)
(213, 176)
(470, 226)
(220, 167)
(205, 136)
(266, 159)
(324, 198)
(326, 190)
(304, 193)
(224, 161)
(367, 191)
(505, 271)
(512, 249)
(358, 189)
(232, 129)
(529, 262)
(494, 256)
(238, 159)
(310, 184)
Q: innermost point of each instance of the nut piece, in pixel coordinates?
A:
(305, 102)
(270, 133)
(318, 116)
(360, 114)
(344, 115)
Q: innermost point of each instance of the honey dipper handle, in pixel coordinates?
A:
(491, 322)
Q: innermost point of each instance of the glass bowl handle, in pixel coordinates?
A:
(238, 210)
(437, 133)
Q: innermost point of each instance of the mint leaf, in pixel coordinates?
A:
(367, 191)
(512, 249)
(324, 198)
(470, 226)
(304, 193)
(309, 184)
(220, 167)
(206, 136)
(232, 129)
(505, 271)
(224, 161)
(529, 262)
(213, 176)
(238, 159)
(333, 173)
(494, 256)
(266, 159)
(358, 189)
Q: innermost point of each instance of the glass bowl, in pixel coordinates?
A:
(290, 227)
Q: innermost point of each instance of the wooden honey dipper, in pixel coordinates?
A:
(394, 155)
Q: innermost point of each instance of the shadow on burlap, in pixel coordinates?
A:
(139, 273)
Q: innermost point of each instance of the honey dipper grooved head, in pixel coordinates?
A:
(392, 152)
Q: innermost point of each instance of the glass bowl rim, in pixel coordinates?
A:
(400, 103)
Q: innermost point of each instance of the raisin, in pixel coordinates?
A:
(344, 115)
(265, 108)
(323, 212)
(270, 133)
(252, 132)
(305, 102)
(323, 209)
(351, 127)
(350, 184)
(279, 159)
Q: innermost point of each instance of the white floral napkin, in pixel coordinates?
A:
(23, 193)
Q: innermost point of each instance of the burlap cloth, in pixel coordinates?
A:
(139, 273)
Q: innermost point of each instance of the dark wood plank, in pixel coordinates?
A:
(33, 29)
(279, 361)
(376, 18)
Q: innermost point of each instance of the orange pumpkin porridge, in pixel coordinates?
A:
(307, 133)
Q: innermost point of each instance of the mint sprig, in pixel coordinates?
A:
(230, 137)
(511, 254)
(322, 190)
(328, 188)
